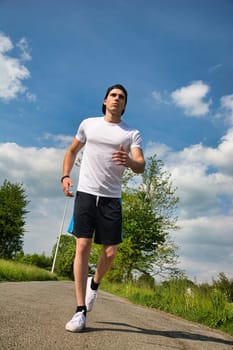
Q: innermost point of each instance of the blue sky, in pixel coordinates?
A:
(176, 60)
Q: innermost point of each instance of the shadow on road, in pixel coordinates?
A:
(169, 334)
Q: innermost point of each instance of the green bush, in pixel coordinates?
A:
(41, 261)
(65, 256)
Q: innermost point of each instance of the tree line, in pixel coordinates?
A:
(149, 205)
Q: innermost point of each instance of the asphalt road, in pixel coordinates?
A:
(33, 317)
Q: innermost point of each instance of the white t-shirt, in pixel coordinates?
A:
(99, 175)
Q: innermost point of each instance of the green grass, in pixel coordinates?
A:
(14, 271)
(209, 308)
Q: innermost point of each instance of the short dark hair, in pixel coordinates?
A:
(116, 86)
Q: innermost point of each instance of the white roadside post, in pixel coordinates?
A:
(60, 233)
(77, 163)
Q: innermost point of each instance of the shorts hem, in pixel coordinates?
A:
(83, 235)
(108, 243)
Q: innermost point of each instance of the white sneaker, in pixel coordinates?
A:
(77, 322)
(91, 295)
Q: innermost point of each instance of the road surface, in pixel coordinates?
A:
(33, 316)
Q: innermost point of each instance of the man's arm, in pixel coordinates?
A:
(136, 162)
(68, 164)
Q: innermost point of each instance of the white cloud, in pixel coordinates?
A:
(214, 68)
(5, 43)
(204, 180)
(156, 148)
(61, 141)
(191, 99)
(204, 242)
(227, 103)
(216, 160)
(31, 97)
(12, 72)
(203, 175)
(39, 170)
(159, 98)
(221, 156)
(24, 48)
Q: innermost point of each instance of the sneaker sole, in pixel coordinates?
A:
(76, 330)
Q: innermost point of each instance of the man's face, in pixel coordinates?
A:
(115, 101)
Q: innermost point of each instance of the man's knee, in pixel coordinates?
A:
(83, 246)
(110, 252)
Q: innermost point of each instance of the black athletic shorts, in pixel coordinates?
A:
(98, 216)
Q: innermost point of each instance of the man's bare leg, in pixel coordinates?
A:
(105, 261)
(83, 248)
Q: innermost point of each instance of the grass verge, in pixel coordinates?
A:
(210, 309)
(14, 271)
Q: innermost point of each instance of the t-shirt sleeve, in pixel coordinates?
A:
(136, 140)
(81, 135)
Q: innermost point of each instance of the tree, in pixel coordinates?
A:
(149, 205)
(13, 202)
(224, 285)
(65, 256)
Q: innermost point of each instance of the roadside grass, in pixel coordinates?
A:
(209, 308)
(14, 271)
